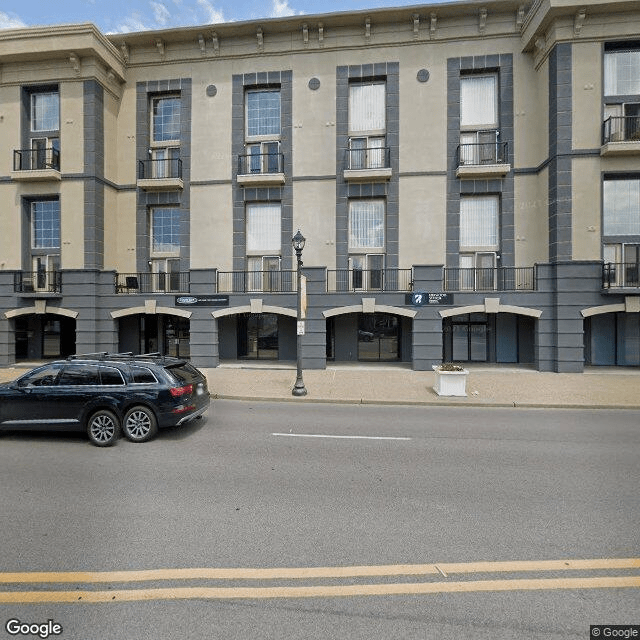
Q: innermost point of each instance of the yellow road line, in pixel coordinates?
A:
(87, 577)
(206, 593)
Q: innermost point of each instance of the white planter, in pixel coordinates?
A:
(450, 383)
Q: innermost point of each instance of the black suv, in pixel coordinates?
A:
(103, 393)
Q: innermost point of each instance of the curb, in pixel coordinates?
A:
(420, 403)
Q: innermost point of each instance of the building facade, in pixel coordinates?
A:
(466, 175)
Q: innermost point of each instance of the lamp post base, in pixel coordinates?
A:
(298, 388)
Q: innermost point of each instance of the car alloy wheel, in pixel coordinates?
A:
(140, 424)
(102, 428)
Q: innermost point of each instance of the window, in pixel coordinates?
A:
(479, 222)
(165, 121)
(366, 224)
(621, 207)
(165, 137)
(45, 111)
(622, 71)
(165, 230)
(142, 375)
(110, 376)
(366, 243)
(86, 374)
(263, 228)
(263, 113)
(45, 220)
(479, 120)
(367, 125)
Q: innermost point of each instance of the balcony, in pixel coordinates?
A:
(625, 275)
(160, 174)
(620, 136)
(256, 281)
(489, 279)
(36, 164)
(342, 280)
(37, 281)
(145, 282)
(368, 164)
(261, 169)
(482, 160)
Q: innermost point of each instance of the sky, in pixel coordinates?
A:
(122, 16)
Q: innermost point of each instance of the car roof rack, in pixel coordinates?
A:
(124, 356)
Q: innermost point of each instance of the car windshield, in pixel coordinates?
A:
(43, 377)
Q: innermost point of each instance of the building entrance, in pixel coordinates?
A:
(40, 337)
(258, 336)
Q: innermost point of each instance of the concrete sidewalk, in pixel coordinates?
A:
(396, 384)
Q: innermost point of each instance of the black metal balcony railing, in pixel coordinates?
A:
(369, 158)
(262, 281)
(621, 129)
(482, 153)
(37, 281)
(369, 280)
(489, 279)
(36, 159)
(618, 275)
(260, 163)
(159, 168)
(144, 282)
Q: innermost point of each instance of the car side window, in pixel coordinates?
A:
(142, 375)
(79, 374)
(111, 376)
(45, 377)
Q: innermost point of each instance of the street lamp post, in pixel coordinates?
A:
(298, 245)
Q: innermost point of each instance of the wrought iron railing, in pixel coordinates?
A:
(369, 280)
(369, 158)
(622, 274)
(260, 163)
(482, 153)
(159, 168)
(37, 281)
(146, 282)
(36, 159)
(489, 279)
(263, 281)
(621, 129)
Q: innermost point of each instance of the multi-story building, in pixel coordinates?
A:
(466, 175)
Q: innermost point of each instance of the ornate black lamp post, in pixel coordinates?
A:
(298, 244)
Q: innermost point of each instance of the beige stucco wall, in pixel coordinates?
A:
(72, 224)
(422, 220)
(314, 213)
(212, 227)
(531, 219)
(71, 127)
(587, 94)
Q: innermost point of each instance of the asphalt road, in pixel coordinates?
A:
(249, 489)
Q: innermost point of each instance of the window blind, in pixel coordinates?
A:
(479, 222)
(622, 73)
(263, 227)
(367, 107)
(478, 101)
(621, 215)
(366, 224)
(263, 112)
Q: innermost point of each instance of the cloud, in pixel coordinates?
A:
(161, 14)
(212, 15)
(10, 21)
(281, 9)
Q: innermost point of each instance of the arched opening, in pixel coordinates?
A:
(612, 339)
(257, 336)
(489, 337)
(44, 337)
(154, 333)
(369, 337)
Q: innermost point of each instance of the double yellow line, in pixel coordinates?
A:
(442, 570)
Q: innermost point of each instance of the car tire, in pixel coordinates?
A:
(103, 428)
(140, 424)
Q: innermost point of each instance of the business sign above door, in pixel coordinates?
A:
(421, 298)
(202, 301)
